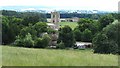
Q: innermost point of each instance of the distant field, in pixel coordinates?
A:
(74, 24)
(71, 24)
(18, 56)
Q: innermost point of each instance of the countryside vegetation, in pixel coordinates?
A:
(24, 42)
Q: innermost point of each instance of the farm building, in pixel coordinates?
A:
(82, 45)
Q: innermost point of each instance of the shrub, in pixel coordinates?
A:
(42, 42)
(46, 39)
(38, 43)
(60, 45)
(28, 42)
(25, 42)
(50, 31)
(19, 41)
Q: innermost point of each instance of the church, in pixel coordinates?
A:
(54, 24)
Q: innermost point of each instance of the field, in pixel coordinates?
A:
(71, 24)
(19, 56)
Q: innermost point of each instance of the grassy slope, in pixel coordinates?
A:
(71, 24)
(18, 56)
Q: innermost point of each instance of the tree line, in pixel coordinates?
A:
(104, 34)
(28, 29)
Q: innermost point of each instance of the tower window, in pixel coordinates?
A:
(53, 16)
(53, 21)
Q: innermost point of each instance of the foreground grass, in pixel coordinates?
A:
(18, 56)
(71, 24)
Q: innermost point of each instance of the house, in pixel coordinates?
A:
(83, 45)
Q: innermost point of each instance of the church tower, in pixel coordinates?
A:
(55, 19)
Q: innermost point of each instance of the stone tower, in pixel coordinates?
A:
(55, 19)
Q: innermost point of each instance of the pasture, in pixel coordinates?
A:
(71, 24)
(19, 56)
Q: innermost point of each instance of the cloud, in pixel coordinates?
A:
(65, 4)
(28, 9)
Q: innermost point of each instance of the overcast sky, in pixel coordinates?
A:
(109, 5)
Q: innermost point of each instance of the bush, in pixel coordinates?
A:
(60, 45)
(25, 42)
(19, 41)
(38, 43)
(28, 42)
(46, 39)
(40, 27)
(42, 42)
(50, 31)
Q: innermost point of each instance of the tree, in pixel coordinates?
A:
(103, 45)
(10, 29)
(40, 27)
(86, 36)
(33, 17)
(94, 27)
(83, 24)
(5, 29)
(106, 20)
(30, 29)
(113, 31)
(9, 13)
(91, 26)
(108, 40)
(20, 23)
(77, 34)
(66, 36)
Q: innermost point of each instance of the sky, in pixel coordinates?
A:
(108, 5)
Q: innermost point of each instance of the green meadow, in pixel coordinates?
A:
(19, 56)
(71, 24)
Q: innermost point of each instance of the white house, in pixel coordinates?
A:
(83, 45)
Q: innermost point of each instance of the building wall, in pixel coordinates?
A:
(66, 20)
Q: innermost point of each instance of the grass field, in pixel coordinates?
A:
(18, 56)
(71, 24)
